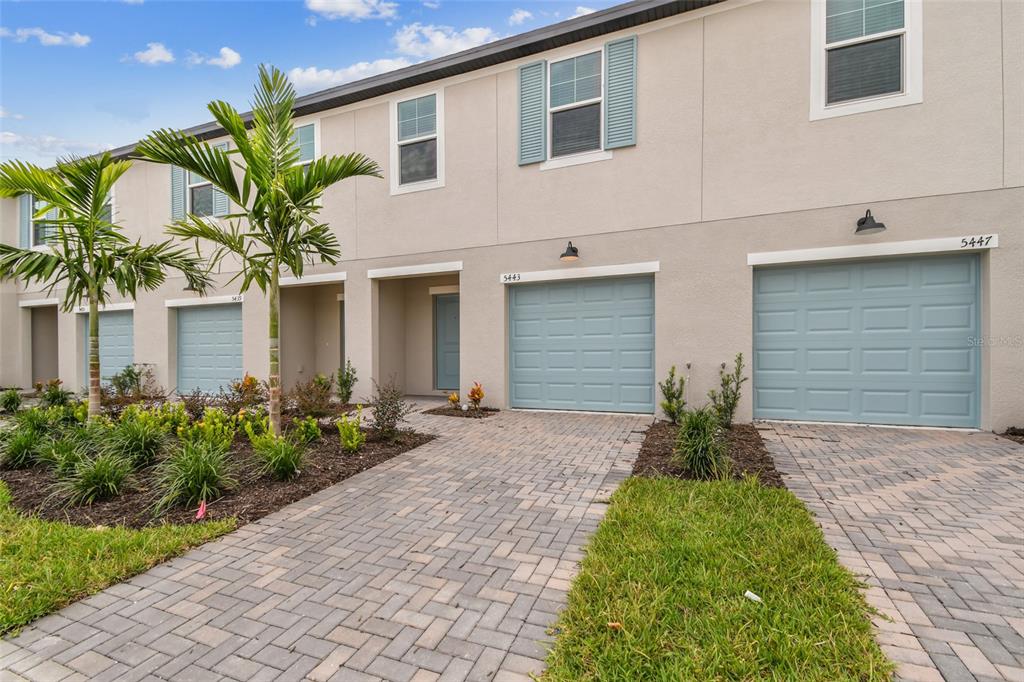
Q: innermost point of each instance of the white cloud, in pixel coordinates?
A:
(8, 114)
(44, 148)
(431, 4)
(581, 10)
(353, 10)
(427, 41)
(133, 2)
(155, 53)
(228, 58)
(311, 20)
(46, 38)
(312, 78)
(519, 17)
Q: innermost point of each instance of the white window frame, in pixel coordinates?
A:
(912, 67)
(316, 138)
(33, 245)
(436, 183)
(189, 186)
(598, 154)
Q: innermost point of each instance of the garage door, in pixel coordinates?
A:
(117, 347)
(884, 342)
(583, 345)
(209, 347)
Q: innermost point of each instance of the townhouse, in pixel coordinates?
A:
(832, 188)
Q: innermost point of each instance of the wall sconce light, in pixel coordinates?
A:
(571, 254)
(868, 224)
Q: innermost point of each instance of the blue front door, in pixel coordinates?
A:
(446, 342)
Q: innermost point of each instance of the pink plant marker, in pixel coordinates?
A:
(202, 510)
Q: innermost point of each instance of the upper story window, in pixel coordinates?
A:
(200, 196)
(40, 230)
(305, 138)
(867, 55)
(575, 104)
(417, 155)
(35, 232)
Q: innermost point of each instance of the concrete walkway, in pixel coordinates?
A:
(934, 521)
(448, 562)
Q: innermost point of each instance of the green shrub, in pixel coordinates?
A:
(389, 409)
(700, 445)
(198, 471)
(54, 394)
(216, 428)
(167, 416)
(10, 400)
(91, 436)
(350, 431)
(248, 392)
(18, 447)
(313, 397)
(673, 390)
(95, 479)
(254, 423)
(196, 403)
(346, 382)
(305, 431)
(725, 400)
(33, 419)
(62, 455)
(127, 382)
(137, 440)
(280, 457)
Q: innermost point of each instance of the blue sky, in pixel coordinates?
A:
(78, 77)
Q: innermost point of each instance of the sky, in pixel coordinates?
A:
(80, 77)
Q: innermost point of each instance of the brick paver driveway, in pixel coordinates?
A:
(934, 521)
(448, 562)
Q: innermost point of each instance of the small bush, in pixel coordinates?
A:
(196, 402)
(701, 446)
(54, 394)
(389, 409)
(167, 416)
(350, 431)
(725, 400)
(95, 479)
(346, 382)
(33, 419)
(91, 436)
(10, 400)
(312, 398)
(62, 456)
(137, 440)
(305, 431)
(244, 394)
(18, 448)
(476, 395)
(254, 422)
(453, 400)
(672, 391)
(196, 472)
(216, 428)
(127, 382)
(280, 457)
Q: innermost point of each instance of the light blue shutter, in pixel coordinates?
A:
(25, 221)
(177, 193)
(221, 205)
(532, 113)
(620, 101)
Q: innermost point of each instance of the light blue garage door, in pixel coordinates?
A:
(117, 347)
(882, 342)
(209, 347)
(583, 345)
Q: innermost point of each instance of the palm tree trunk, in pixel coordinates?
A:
(275, 353)
(94, 357)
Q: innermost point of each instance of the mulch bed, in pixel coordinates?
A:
(1014, 433)
(469, 414)
(254, 497)
(746, 451)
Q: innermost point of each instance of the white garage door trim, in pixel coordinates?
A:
(981, 241)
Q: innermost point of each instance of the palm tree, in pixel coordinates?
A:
(276, 226)
(88, 255)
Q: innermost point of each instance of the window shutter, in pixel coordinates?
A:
(221, 205)
(620, 98)
(25, 221)
(532, 113)
(177, 193)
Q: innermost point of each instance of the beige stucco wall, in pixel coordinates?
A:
(44, 343)
(310, 332)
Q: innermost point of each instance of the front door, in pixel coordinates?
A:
(446, 342)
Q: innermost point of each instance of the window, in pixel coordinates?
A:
(40, 230)
(305, 138)
(417, 152)
(867, 55)
(200, 196)
(574, 102)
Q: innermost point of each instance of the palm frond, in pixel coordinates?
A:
(195, 156)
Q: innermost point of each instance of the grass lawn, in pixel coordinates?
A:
(671, 562)
(46, 564)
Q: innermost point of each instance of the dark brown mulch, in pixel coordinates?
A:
(334, 411)
(746, 452)
(457, 412)
(254, 497)
(1014, 433)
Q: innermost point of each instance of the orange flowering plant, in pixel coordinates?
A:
(453, 399)
(476, 394)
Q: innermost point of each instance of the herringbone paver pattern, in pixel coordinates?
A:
(447, 563)
(934, 522)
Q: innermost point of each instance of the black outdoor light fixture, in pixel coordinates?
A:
(189, 287)
(571, 254)
(868, 224)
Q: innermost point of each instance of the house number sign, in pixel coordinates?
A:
(977, 242)
(510, 277)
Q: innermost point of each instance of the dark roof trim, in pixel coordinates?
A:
(542, 39)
